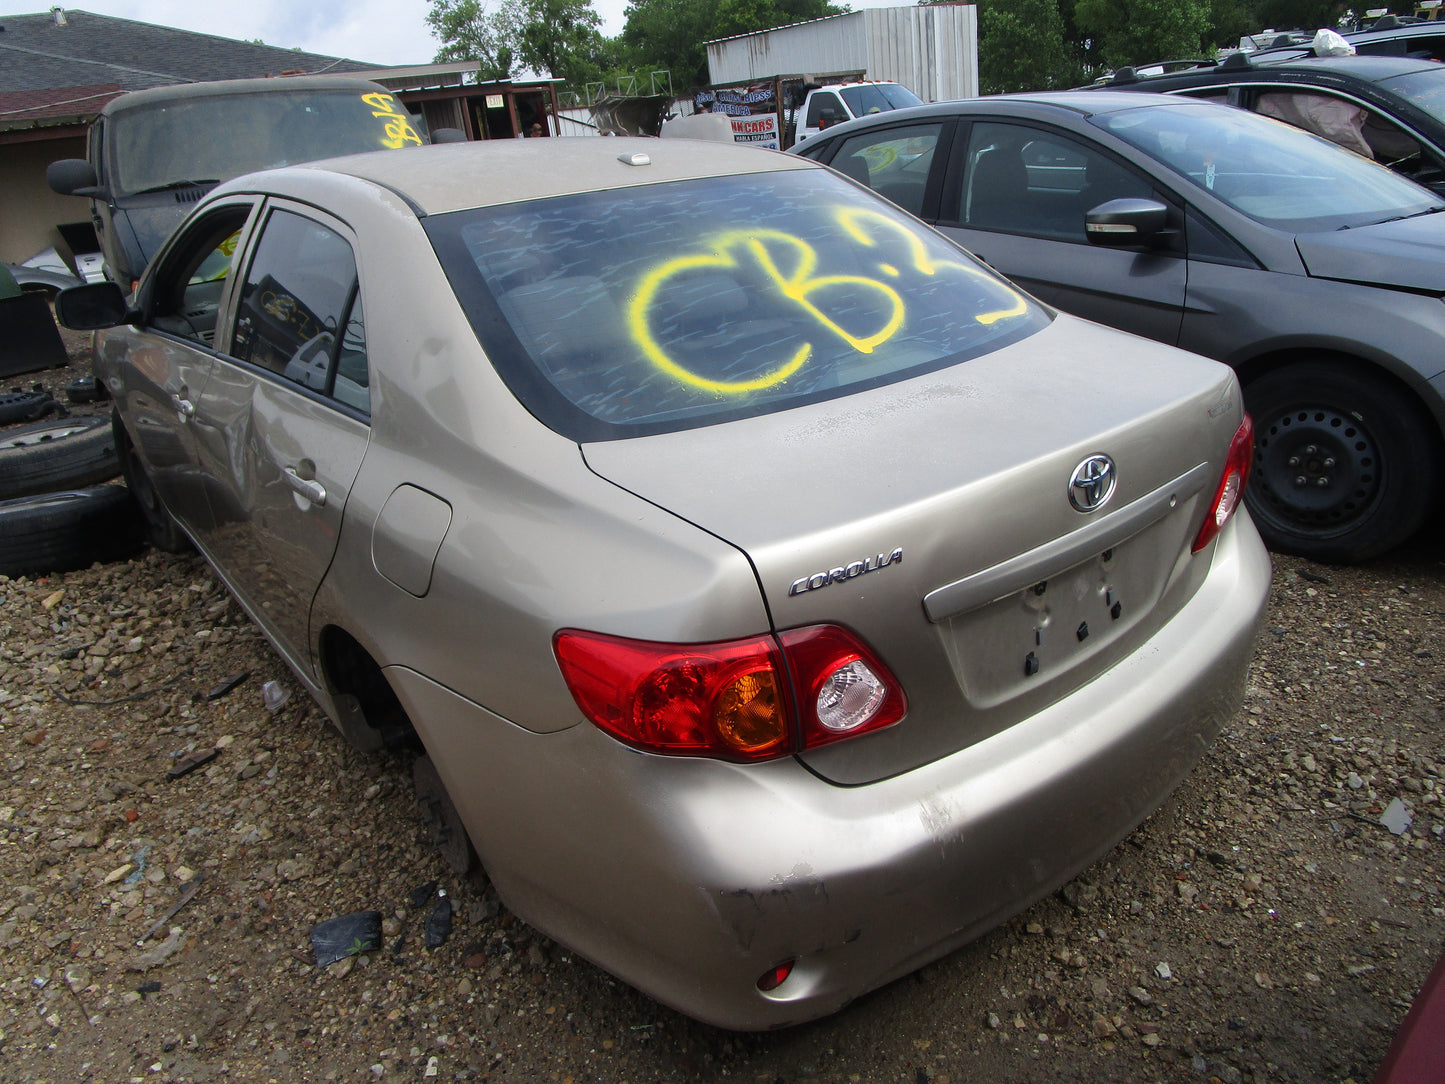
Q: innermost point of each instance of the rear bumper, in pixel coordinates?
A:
(690, 878)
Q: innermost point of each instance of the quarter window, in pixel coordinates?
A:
(300, 316)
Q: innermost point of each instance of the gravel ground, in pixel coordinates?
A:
(1264, 925)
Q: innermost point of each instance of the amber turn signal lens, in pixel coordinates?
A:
(749, 715)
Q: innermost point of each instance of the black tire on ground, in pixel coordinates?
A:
(67, 453)
(27, 406)
(1346, 462)
(449, 835)
(59, 532)
(162, 531)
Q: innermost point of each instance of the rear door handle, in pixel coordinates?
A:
(309, 488)
(185, 409)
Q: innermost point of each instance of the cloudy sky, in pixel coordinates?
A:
(378, 31)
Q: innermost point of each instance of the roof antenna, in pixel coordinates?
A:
(59, 13)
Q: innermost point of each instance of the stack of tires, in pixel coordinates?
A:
(56, 511)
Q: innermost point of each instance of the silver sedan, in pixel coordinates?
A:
(783, 598)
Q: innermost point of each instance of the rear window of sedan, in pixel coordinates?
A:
(662, 307)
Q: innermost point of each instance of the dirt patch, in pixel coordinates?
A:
(1265, 925)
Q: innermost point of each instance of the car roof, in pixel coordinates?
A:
(458, 176)
(1067, 101)
(1371, 67)
(1366, 68)
(1423, 29)
(225, 87)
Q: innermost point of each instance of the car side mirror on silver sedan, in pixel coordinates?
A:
(1122, 223)
(93, 306)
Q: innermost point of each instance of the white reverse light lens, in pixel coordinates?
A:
(850, 696)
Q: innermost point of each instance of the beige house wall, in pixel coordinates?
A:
(29, 210)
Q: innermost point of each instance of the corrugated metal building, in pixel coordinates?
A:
(932, 50)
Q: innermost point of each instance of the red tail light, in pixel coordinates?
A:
(749, 699)
(774, 977)
(1231, 486)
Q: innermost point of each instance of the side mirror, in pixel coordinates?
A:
(1121, 223)
(93, 306)
(73, 177)
(449, 135)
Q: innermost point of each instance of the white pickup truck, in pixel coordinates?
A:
(834, 103)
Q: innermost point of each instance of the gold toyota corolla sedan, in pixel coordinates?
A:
(783, 598)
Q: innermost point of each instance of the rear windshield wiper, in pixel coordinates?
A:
(176, 184)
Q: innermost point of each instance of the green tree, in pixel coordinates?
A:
(1305, 14)
(468, 31)
(1022, 46)
(1139, 31)
(1230, 20)
(560, 38)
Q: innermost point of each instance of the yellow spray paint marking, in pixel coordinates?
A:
(399, 131)
(789, 263)
(641, 302)
(879, 157)
(800, 284)
(857, 222)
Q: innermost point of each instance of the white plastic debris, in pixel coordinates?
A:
(1328, 43)
(274, 694)
(1396, 817)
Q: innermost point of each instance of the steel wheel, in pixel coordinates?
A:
(1345, 462)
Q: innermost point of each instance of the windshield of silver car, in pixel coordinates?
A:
(1270, 171)
(213, 138)
(670, 306)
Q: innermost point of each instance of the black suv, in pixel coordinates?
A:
(1391, 108)
(152, 154)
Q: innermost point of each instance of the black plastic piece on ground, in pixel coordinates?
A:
(349, 935)
(228, 685)
(439, 923)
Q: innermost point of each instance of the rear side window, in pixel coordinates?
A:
(299, 315)
(670, 306)
(893, 162)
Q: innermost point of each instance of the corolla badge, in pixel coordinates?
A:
(1092, 483)
(845, 572)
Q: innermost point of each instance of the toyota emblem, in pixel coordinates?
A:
(1092, 483)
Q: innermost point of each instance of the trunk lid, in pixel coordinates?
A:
(933, 518)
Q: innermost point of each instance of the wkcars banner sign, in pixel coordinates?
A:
(753, 110)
